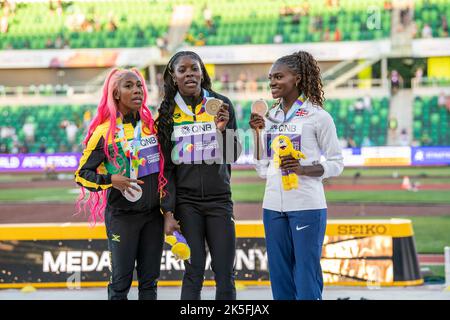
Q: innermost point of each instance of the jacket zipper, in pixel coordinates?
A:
(194, 117)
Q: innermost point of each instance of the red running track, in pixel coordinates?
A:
(371, 187)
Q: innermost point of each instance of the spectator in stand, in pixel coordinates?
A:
(296, 19)
(404, 138)
(160, 84)
(225, 79)
(367, 103)
(441, 100)
(343, 143)
(252, 85)
(337, 35)
(4, 24)
(277, 39)
(405, 16)
(366, 142)
(200, 40)
(351, 143)
(427, 31)
(58, 8)
(396, 81)
(241, 81)
(29, 130)
(326, 35)
(23, 148)
(359, 106)
(59, 42)
(419, 75)
(317, 23)
(66, 44)
(447, 103)
(413, 29)
(8, 7)
(332, 4)
(49, 44)
(444, 25)
(71, 132)
(425, 140)
(42, 148)
(392, 126)
(111, 26)
(4, 148)
(239, 111)
(207, 16)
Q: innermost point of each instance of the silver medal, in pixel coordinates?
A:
(136, 195)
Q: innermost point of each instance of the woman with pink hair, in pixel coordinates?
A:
(122, 168)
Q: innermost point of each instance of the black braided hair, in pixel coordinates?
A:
(310, 85)
(164, 122)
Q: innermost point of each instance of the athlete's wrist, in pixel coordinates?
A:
(168, 214)
(301, 170)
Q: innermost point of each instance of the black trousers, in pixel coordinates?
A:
(211, 223)
(134, 240)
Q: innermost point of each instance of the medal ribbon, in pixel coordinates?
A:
(291, 112)
(131, 152)
(180, 102)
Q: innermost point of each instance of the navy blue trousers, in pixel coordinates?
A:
(294, 246)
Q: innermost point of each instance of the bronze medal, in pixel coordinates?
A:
(260, 107)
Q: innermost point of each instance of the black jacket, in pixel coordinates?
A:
(191, 183)
(90, 177)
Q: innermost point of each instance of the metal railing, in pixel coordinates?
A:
(430, 82)
(54, 90)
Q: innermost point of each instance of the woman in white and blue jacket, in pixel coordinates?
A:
(295, 220)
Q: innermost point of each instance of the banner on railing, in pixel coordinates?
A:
(353, 157)
(39, 162)
(426, 156)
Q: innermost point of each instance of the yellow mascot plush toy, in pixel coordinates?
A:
(180, 248)
(282, 147)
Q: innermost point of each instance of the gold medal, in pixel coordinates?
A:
(213, 105)
(260, 107)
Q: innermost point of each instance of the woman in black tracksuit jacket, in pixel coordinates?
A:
(198, 170)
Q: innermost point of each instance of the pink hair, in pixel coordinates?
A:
(107, 111)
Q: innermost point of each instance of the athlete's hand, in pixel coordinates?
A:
(288, 163)
(124, 184)
(170, 224)
(222, 117)
(256, 121)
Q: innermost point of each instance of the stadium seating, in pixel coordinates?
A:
(139, 23)
(234, 22)
(48, 122)
(431, 13)
(259, 22)
(431, 122)
(359, 125)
